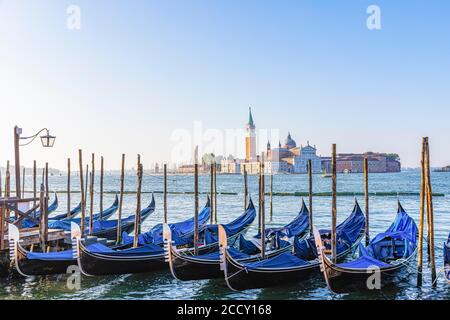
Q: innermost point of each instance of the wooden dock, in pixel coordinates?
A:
(30, 236)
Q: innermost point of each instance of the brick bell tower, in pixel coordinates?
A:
(250, 139)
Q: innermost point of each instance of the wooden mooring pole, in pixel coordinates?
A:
(119, 212)
(259, 198)
(333, 205)
(430, 213)
(137, 220)
(91, 195)
(83, 202)
(215, 192)
(211, 191)
(310, 197)
(245, 187)
(165, 193)
(271, 196)
(196, 207)
(263, 211)
(23, 183)
(422, 216)
(366, 197)
(43, 219)
(46, 182)
(34, 187)
(86, 185)
(101, 187)
(68, 187)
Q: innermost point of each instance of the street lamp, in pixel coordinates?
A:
(47, 142)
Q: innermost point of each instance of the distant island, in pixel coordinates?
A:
(443, 169)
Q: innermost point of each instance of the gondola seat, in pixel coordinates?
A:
(236, 254)
(99, 248)
(284, 260)
(51, 256)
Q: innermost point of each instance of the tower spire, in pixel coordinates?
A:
(250, 117)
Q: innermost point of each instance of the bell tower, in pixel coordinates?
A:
(250, 139)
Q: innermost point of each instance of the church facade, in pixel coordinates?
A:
(285, 158)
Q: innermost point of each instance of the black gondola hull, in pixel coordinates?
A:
(43, 267)
(37, 267)
(186, 270)
(101, 264)
(341, 280)
(239, 279)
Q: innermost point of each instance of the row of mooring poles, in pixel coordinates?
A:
(334, 200)
(426, 199)
(89, 180)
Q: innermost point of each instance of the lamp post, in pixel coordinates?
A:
(47, 142)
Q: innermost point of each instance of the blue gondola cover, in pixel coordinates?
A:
(181, 231)
(398, 241)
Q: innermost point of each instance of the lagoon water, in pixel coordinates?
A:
(162, 285)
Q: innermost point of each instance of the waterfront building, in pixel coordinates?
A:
(354, 163)
(302, 159)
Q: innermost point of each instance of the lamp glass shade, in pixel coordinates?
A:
(48, 140)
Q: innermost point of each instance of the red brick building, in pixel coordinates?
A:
(351, 162)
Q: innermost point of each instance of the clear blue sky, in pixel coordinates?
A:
(138, 70)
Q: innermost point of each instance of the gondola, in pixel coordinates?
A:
(104, 215)
(27, 223)
(447, 259)
(39, 263)
(380, 263)
(184, 265)
(30, 224)
(289, 267)
(72, 214)
(148, 256)
(182, 232)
